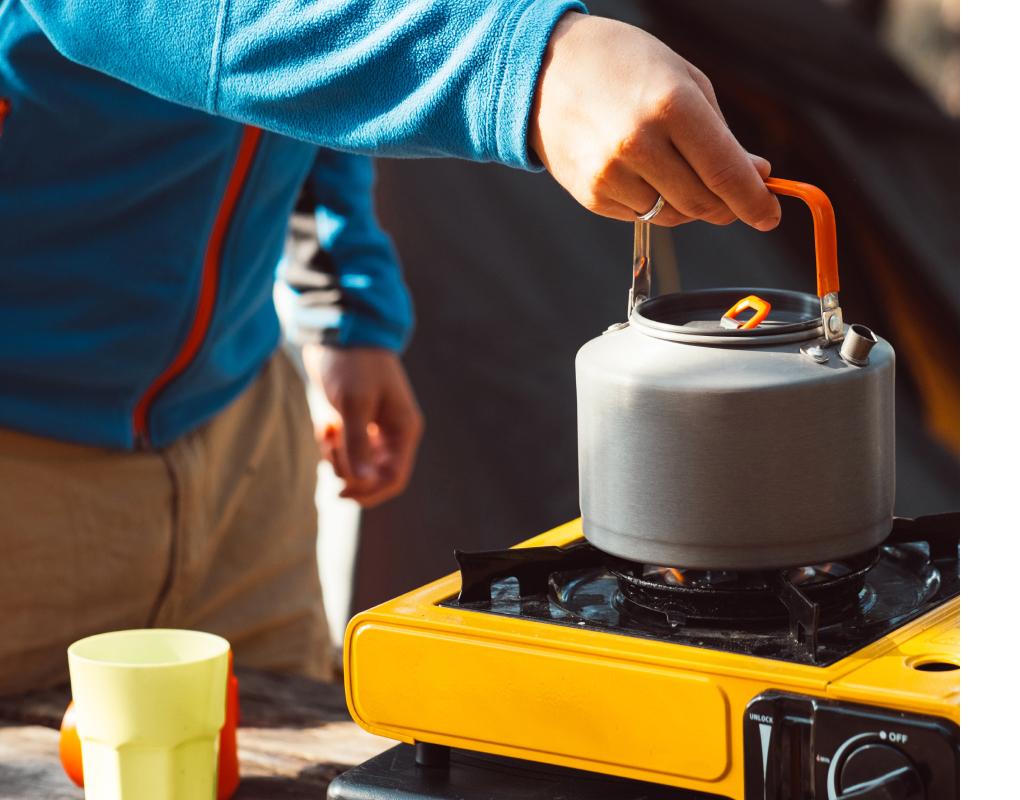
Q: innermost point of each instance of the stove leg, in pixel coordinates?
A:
(432, 755)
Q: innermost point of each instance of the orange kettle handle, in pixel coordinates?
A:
(825, 229)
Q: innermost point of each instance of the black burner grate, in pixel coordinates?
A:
(813, 615)
(742, 599)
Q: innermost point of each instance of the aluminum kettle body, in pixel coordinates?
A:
(733, 457)
(712, 444)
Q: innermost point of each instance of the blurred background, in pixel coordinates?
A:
(510, 276)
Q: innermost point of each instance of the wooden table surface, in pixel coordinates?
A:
(295, 736)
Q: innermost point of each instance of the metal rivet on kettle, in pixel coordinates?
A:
(815, 352)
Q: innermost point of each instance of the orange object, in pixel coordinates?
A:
(825, 229)
(761, 308)
(70, 746)
(229, 774)
(5, 109)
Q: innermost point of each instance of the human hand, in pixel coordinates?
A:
(618, 119)
(374, 439)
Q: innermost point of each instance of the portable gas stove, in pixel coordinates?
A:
(565, 665)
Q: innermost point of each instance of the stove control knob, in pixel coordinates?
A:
(879, 772)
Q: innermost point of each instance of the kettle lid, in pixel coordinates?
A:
(706, 317)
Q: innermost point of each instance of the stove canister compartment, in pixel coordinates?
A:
(743, 457)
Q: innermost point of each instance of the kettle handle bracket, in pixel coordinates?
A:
(641, 286)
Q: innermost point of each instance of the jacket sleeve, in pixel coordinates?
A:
(392, 77)
(342, 273)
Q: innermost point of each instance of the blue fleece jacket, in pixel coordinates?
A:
(135, 189)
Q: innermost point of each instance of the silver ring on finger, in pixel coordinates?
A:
(654, 212)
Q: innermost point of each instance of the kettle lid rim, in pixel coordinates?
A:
(795, 317)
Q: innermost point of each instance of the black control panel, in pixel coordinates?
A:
(806, 748)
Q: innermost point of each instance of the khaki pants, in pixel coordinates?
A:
(215, 533)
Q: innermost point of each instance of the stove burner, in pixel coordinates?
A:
(742, 599)
(816, 614)
(696, 578)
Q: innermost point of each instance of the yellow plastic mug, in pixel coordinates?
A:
(150, 707)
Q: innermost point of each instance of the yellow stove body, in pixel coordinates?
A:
(619, 705)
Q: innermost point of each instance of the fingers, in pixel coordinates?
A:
(699, 134)
(763, 167)
(645, 169)
(358, 411)
(333, 450)
(684, 190)
(606, 206)
(373, 443)
(396, 449)
(401, 436)
(326, 438)
(728, 186)
(636, 197)
(625, 184)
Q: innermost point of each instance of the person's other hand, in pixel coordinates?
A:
(618, 119)
(374, 440)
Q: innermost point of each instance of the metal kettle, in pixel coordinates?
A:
(709, 443)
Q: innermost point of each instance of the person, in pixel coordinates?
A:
(157, 463)
(548, 276)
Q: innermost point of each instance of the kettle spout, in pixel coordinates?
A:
(857, 344)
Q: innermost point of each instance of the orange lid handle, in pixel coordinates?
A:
(761, 307)
(825, 229)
